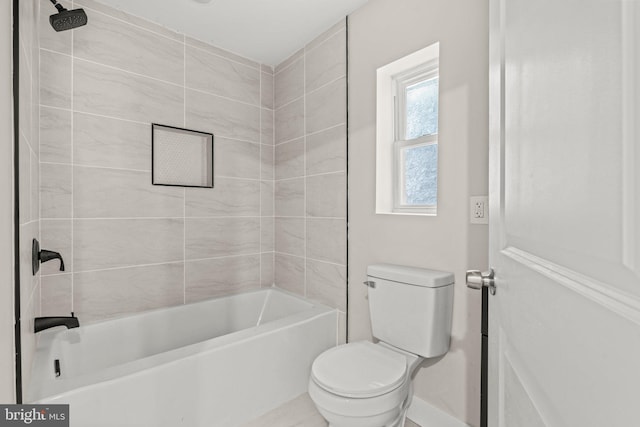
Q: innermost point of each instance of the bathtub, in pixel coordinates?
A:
(220, 362)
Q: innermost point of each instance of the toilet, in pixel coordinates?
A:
(363, 384)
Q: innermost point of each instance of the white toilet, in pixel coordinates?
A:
(363, 384)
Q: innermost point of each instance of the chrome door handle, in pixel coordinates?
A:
(477, 279)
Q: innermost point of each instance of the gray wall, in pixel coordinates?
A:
(310, 171)
(128, 245)
(381, 32)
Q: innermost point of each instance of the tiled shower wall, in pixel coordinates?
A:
(28, 151)
(310, 171)
(128, 245)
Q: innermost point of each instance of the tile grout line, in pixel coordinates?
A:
(286, 141)
(179, 261)
(273, 182)
(87, 113)
(304, 89)
(304, 159)
(167, 82)
(184, 192)
(260, 168)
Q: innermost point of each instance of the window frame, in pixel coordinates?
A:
(422, 73)
(385, 127)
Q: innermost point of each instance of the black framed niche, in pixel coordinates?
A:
(181, 157)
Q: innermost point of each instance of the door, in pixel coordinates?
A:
(564, 324)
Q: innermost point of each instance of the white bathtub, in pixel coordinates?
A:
(220, 362)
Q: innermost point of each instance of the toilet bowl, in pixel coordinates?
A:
(363, 384)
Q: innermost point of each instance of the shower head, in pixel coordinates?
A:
(67, 19)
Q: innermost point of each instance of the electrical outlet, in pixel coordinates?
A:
(479, 210)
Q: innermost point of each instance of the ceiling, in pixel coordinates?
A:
(267, 31)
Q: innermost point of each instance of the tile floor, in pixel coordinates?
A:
(299, 412)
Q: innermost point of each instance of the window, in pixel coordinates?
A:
(407, 134)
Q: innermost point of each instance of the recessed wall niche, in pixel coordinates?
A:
(181, 157)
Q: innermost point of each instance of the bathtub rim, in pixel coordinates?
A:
(51, 387)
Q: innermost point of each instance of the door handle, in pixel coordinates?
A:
(477, 279)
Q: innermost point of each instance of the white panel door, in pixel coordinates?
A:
(564, 325)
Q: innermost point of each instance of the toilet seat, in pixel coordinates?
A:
(359, 370)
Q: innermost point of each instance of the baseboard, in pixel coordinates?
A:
(427, 415)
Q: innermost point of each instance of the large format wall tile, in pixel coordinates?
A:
(109, 41)
(34, 186)
(266, 90)
(326, 240)
(222, 276)
(289, 121)
(326, 107)
(325, 283)
(229, 197)
(326, 62)
(112, 193)
(55, 135)
(290, 60)
(236, 159)
(289, 273)
(114, 93)
(327, 195)
(266, 120)
(55, 190)
(223, 117)
(267, 163)
(113, 143)
(26, 125)
(290, 84)
(56, 293)
(327, 151)
(109, 243)
(289, 160)
(221, 76)
(24, 154)
(220, 237)
(266, 198)
(267, 234)
(55, 84)
(289, 197)
(290, 237)
(267, 277)
(100, 295)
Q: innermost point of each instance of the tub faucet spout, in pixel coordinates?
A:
(42, 323)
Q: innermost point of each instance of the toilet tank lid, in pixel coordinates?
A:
(411, 275)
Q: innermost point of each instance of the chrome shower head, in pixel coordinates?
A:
(67, 19)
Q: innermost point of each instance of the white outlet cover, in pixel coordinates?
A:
(479, 210)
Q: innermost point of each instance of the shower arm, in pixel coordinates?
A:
(58, 6)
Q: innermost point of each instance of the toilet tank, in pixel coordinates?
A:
(411, 308)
